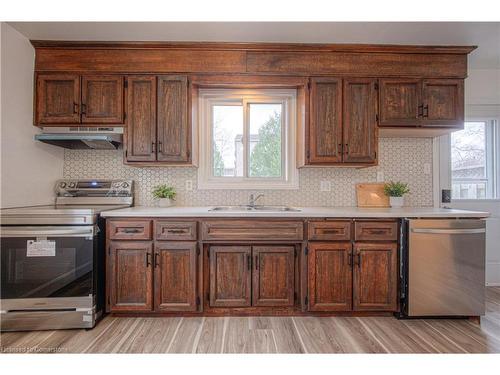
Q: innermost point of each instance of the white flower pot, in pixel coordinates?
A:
(396, 202)
(164, 202)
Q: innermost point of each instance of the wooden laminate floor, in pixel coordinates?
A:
(270, 335)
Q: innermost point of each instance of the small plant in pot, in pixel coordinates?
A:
(165, 195)
(396, 191)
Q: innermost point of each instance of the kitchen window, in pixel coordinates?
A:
(475, 160)
(247, 139)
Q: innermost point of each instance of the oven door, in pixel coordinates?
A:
(47, 262)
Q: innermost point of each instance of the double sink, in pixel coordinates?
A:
(259, 208)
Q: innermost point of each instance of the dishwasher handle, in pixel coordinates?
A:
(449, 231)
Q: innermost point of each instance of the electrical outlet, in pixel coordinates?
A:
(189, 185)
(427, 168)
(325, 186)
(380, 176)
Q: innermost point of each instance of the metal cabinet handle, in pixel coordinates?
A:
(420, 111)
(357, 259)
(347, 149)
(148, 260)
(349, 259)
(156, 259)
(176, 231)
(425, 112)
(152, 147)
(131, 230)
(75, 107)
(84, 109)
(159, 147)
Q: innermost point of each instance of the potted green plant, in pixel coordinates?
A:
(165, 195)
(396, 191)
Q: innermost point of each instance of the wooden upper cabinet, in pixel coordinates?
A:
(375, 276)
(325, 122)
(330, 276)
(273, 275)
(130, 276)
(400, 102)
(230, 276)
(140, 132)
(175, 276)
(443, 102)
(174, 136)
(360, 120)
(57, 99)
(428, 103)
(102, 99)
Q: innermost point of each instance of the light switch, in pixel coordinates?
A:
(189, 185)
(380, 176)
(427, 168)
(325, 185)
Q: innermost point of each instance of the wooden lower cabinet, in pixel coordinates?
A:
(273, 276)
(130, 273)
(175, 276)
(330, 276)
(230, 276)
(375, 276)
(258, 276)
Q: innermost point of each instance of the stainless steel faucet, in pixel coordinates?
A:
(252, 199)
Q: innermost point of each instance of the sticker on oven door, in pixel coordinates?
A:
(41, 248)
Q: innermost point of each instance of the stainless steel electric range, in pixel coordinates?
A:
(52, 257)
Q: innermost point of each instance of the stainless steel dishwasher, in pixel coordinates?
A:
(444, 267)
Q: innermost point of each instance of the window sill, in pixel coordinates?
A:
(238, 185)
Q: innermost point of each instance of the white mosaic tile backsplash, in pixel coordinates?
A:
(400, 159)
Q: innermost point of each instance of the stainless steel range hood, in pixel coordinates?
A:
(81, 138)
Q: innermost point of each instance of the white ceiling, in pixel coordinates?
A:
(485, 35)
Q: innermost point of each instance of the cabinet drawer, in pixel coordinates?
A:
(376, 231)
(253, 230)
(129, 229)
(176, 230)
(329, 230)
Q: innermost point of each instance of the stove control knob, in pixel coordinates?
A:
(62, 185)
(72, 185)
(125, 185)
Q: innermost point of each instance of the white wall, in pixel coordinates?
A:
(482, 99)
(28, 168)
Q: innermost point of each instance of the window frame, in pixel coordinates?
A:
(492, 151)
(208, 97)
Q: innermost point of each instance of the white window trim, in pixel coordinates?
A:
(288, 97)
(442, 161)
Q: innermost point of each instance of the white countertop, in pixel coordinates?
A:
(341, 212)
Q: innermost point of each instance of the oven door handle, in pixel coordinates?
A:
(85, 231)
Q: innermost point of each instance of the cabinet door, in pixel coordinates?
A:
(174, 136)
(230, 276)
(330, 276)
(273, 276)
(141, 119)
(325, 125)
(443, 102)
(102, 99)
(400, 102)
(57, 99)
(175, 276)
(375, 276)
(360, 120)
(130, 276)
